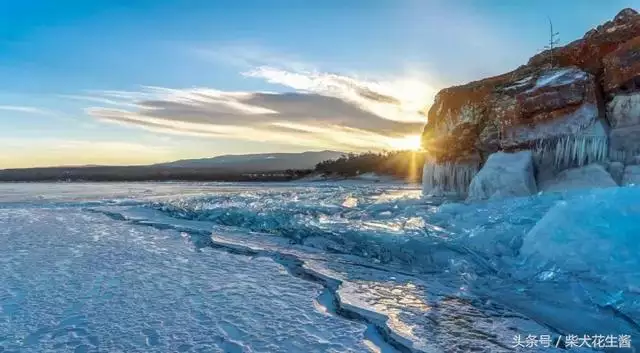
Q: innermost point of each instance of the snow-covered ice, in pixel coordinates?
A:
(560, 77)
(81, 282)
(305, 267)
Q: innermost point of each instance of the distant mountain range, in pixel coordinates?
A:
(248, 167)
(261, 162)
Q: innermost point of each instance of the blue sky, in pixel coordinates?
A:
(141, 81)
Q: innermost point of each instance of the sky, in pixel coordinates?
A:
(123, 82)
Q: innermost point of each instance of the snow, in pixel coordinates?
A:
(560, 77)
(616, 28)
(504, 175)
(468, 114)
(525, 82)
(275, 267)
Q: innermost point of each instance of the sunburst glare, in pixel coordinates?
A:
(410, 142)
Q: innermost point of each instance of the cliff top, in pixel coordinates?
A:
(585, 53)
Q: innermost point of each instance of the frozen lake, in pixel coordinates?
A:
(316, 267)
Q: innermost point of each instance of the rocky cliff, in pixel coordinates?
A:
(572, 106)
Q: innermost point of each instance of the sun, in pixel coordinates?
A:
(410, 142)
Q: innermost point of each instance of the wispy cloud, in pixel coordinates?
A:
(248, 55)
(98, 99)
(322, 110)
(24, 109)
(399, 99)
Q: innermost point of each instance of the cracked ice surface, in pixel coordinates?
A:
(426, 315)
(433, 314)
(120, 262)
(78, 282)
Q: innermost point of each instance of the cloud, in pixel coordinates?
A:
(95, 99)
(24, 109)
(247, 55)
(396, 99)
(324, 110)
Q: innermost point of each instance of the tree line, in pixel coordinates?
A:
(400, 164)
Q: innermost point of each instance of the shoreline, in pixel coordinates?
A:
(311, 178)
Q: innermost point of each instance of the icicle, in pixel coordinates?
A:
(448, 177)
(572, 151)
(629, 156)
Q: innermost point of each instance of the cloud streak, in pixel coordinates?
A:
(24, 109)
(396, 99)
(323, 110)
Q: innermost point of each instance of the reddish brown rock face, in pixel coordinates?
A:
(551, 96)
(555, 90)
(562, 102)
(543, 104)
(622, 68)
